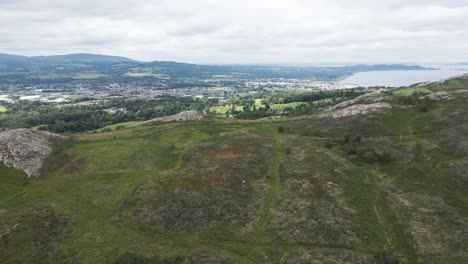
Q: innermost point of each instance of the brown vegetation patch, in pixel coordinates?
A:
(439, 231)
(196, 257)
(234, 162)
(311, 209)
(65, 163)
(454, 138)
(320, 257)
(220, 183)
(27, 236)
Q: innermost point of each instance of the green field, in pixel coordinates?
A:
(360, 189)
(223, 109)
(326, 100)
(2, 109)
(258, 104)
(291, 105)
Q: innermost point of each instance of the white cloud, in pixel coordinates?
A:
(236, 31)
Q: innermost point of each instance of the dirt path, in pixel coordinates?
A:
(273, 191)
(270, 197)
(395, 239)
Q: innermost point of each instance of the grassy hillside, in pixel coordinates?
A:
(449, 84)
(411, 90)
(363, 189)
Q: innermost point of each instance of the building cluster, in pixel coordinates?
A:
(70, 93)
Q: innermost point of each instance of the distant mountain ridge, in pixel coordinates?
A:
(17, 68)
(76, 57)
(8, 58)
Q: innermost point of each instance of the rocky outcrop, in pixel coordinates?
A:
(368, 98)
(444, 96)
(437, 96)
(180, 117)
(27, 150)
(361, 105)
(359, 109)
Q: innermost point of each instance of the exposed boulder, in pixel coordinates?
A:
(445, 95)
(437, 96)
(180, 117)
(359, 109)
(368, 98)
(27, 150)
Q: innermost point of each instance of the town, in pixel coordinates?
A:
(95, 90)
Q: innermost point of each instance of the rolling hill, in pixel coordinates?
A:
(354, 184)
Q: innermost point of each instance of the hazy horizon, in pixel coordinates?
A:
(262, 63)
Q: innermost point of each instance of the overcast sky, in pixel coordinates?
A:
(240, 31)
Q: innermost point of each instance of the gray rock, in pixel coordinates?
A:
(180, 117)
(357, 109)
(26, 150)
(437, 96)
(368, 98)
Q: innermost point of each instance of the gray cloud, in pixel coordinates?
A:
(235, 31)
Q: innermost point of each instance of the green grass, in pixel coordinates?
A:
(411, 90)
(92, 183)
(119, 126)
(273, 191)
(362, 196)
(223, 109)
(96, 190)
(258, 103)
(450, 84)
(326, 100)
(3, 109)
(103, 172)
(13, 181)
(291, 105)
(373, 221)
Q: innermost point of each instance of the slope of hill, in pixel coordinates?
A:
(455, 83)
(81, 57)
(8, 59)
(64, 58)
(375, 187)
